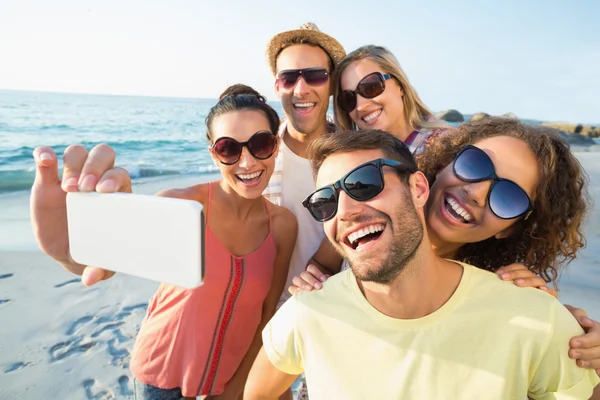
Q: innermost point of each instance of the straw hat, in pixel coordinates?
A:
(309, 32)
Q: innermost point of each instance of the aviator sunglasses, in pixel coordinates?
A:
(361, 184)
(506, 199)
(261, 145)
(369, 87)
(312, 76)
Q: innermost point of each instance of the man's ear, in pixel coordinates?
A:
(419, 187)
(276, 87)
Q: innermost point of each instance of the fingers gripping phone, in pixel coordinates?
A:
(157, 238)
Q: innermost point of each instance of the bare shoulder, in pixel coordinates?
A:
(197, 192)
(285, 224)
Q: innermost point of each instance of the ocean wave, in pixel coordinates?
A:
(124, 145)
(56, 127)
(20, 180)
(144, 172)
(14, 181)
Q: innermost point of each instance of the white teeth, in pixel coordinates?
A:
(372, 116)
(304, 105)
(359, 234)
(250, 176)
(458, 209)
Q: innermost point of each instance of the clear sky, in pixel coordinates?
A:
(538, 59)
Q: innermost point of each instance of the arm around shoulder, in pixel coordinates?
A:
(326, 258)
(557, 376)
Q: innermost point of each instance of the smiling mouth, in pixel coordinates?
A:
(304, 108)
(364, 235)
(249, 178)
(373, 116)
(457, 213)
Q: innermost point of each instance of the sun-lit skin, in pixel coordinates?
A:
(241, 125)
(514, 160)
(383, 213)
(305, 123)
(386, 111)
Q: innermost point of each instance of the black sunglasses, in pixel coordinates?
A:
(369, 87)
(261, 145)
(361, 184)
(506, 199)
(313, 76)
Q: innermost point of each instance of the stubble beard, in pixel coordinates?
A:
(407, 237)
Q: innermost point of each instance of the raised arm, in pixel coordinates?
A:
(83, 171)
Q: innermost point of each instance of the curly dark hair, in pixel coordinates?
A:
(549, 239)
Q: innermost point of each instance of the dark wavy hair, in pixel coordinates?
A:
(549, 239)
(240, 97)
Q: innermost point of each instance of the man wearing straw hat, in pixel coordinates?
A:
(302, 61)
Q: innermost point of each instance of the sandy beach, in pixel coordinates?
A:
(61, 340)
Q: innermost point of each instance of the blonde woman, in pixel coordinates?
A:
(371, 91)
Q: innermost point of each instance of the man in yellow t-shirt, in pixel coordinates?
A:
(403, 323)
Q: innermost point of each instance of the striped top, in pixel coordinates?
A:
(195, 339)
(417, 140)
(274, 190)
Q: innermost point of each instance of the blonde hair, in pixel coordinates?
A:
(417, 115)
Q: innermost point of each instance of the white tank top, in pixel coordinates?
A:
(296, 184)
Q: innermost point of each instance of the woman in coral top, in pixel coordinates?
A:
(202, 342)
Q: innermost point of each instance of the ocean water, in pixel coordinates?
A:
(152, 136)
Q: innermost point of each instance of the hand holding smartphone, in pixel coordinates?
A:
(152, 237)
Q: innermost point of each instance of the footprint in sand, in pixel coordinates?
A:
(96, 391)
(108, 327)
(78, 323)
(62, 350)
(16, 366)
(6, 276)
(120, 355)
(113, 333)
(76, 280)
(124, 387)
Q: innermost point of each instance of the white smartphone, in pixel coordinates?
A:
(157, 238)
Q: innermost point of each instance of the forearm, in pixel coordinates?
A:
(326, 258)
(321, 267)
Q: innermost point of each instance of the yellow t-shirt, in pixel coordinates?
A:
(490, 340)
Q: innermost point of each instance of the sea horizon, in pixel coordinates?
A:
(153, 136)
